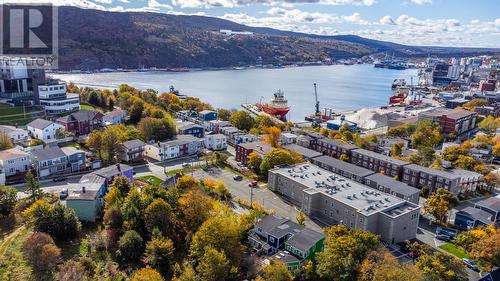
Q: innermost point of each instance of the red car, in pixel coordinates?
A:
(252, 184)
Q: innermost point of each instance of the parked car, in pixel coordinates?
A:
(238, 178)
(252, 183)
(185, 165)
(63, 194)
(443, 237)
(60, 178)
(470, 264)
(404, 247)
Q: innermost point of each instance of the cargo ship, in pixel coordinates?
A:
(277, 107)
(400, 95)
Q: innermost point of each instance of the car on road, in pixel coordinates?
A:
(63, 194)
(470, 264)
(185, 165)
(60, 178)
(238, 178)
(252, 183)
(443, 237)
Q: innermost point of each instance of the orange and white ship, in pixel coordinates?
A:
(277, 107)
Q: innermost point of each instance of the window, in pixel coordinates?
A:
(271, 239)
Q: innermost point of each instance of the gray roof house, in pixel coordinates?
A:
(307, 153)
(49, 161)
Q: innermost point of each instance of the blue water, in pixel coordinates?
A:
(341, 87)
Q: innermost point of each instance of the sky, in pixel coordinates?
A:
(466, 23)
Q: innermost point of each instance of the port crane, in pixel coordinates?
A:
(317, 112)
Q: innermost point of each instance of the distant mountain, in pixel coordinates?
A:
(93, 39)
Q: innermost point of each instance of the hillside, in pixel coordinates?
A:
(92, 39)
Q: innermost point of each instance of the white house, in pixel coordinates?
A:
(215, 142)
(13, 161)
(43, 129)
(288, 138)
(15, 134)
(163, 150)
(115, 117)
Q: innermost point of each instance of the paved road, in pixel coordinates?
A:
(265, 197)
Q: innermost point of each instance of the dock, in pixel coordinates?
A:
(253, 110)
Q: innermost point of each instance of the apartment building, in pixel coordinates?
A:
(13, 161)
(243, 150)
(456, 121)
(419, 177)
(390, 185)
(334, 199)
(342, 168)
(334, 148)
(215, 142)
(378, 162)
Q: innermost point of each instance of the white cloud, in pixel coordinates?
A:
(153, 4)
(235, 3)
(355, 18)
(422, 2)
(387, 20)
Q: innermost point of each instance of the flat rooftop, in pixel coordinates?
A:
(343, 165)
(379, 156)
(361, 197)
(440, 173)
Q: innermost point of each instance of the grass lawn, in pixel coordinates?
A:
(454, 250)
(151, 179)
(72, 144)
(86, 107)
(15, 115)
(12, 262)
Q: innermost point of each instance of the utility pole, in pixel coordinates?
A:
(251, 197)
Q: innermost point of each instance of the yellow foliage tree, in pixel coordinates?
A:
(272, 136)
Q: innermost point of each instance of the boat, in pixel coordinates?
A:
(400, 95)
(398, 83)
(277, 107)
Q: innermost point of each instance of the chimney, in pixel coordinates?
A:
(83, 189)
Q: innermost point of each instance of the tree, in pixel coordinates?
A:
(194, 208)
(135, 111)
(8, 200)
(146, 274)
(59, 221)
(220, 233)
(5, 141)
(32, 186)
(132, 208)
(186, 182)
(130, 246)
(272, 136)
(262, 121)
(344, 157)
(382, 266)
(157, 129)
(216, 188)
(113, 218)
(187, 275)
(492, 179)
(276, 271)
(242, 120)
(487, 251)
(489, 124)
(301, 218)
(159, 254)
(224, 114)
(279, 156)
(471, 105)
(213, 266)
(71, 270)
(41, 252)
(344, 250)
(396, 149)
(122, 184)
(95, 142)
(254, 160)
(112, 140)
(442, 267)
(157, 214)
(439, 203)
(427, 134)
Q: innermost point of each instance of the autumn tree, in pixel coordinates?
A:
(135, 111)
(427, 134)
(5, 141)
(32, 186)
(71, 270)
(95, 142)
(186, 182)
(157, 214)
(263, 121)
(472, 104)
(439, 203)
(344, 251)
(159, 254)
(279, 156)
(157, 129)
(254, 160)
(492, 179)
(223, 114)
(41, 252)
(301, 218)
(132, 210)
(441, 267)
(276, 271)
(489, 124)
(220, 233)
(194, 208)
(216, 188)
(272, 136)
(242, 120)
(487, 251)
(8, 200)
(146, 274)
(213, 265)
(396, 149)
(57, 220)
(130, 246)
(381, 265)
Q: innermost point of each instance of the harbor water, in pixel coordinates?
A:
(340, 87)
